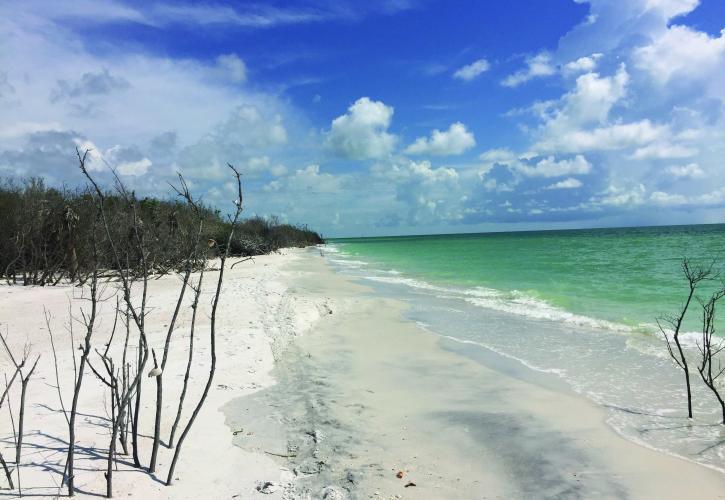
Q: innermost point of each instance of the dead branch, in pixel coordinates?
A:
(212, 327)
(694, 277)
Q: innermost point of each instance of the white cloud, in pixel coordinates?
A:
(430, 194)
(492, 156)
(712, 198)
(607, 138)
(536, 66)
(259, 15)
(454, 141)
(623, 196)
(662, 198)
(584, 64)
(689, 171)
(362, 132)
(550, 167)
(99, 11)
(307, 180)
(590, 101)
(663, 150)
(21, 129)
(472, 71)
(129, 98)
(682, 52)
(569, 183)
(89, 85)
(126, 161)
(134, 168)
(672, 8)
(247, 131)
(94, 160)
(233, 66)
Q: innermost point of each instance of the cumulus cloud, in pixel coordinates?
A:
(580, 121)
(664, 101)
(663, 150)
(233, 66)
(362, 132)
(612, 137)
(584, 64)
(681, 52)
(689, 171)
(246, 130)
(175, 113)
(454, 141)
(430, 194)
(89, 85)
(569, 183)
(671, 8)
(590, 101)
(550, 167)
(537, 66)
(472, 71)
(640, 116)
(711, 198)
(497, 155)
(308, 180)
(128, 161)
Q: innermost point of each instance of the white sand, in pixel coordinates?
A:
(252, 304)
(391, 384)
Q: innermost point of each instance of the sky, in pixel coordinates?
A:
(379, 117)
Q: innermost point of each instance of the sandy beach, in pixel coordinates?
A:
(325, 390)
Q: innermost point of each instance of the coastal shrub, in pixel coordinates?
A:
(48, 232)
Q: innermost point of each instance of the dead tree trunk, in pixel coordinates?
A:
(694, 277)
(710, 348)
(24, 379)
(8, 385)
(137, 313)
(159, 377)
(212, 326)
(135, 421)
(191, 260)
(8, 474)
(182, 397)
(85, 348)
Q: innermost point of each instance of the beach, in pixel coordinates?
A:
(325, 388)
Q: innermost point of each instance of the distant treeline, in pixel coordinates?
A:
(51, 234)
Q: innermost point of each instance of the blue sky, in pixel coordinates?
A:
(381, 117)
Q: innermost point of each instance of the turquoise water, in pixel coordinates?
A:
(579, 306)
(628, 276)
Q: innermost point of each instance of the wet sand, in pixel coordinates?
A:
(367, 394)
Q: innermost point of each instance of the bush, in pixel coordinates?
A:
(50, 234)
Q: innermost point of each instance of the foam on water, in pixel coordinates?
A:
(514, 302)
(624, 368)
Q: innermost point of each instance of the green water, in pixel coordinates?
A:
(625, 275)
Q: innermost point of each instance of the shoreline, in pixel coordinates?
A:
(317, 365)
(362, 366)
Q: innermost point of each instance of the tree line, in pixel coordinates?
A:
(47, 232)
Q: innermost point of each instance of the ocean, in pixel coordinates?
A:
(579, 305)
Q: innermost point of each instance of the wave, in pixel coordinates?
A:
(512, 302)
(557, 371)
(620, 383)
(349, 262)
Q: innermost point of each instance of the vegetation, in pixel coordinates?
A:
(709, 345)
(47, 232)
(111, 244)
